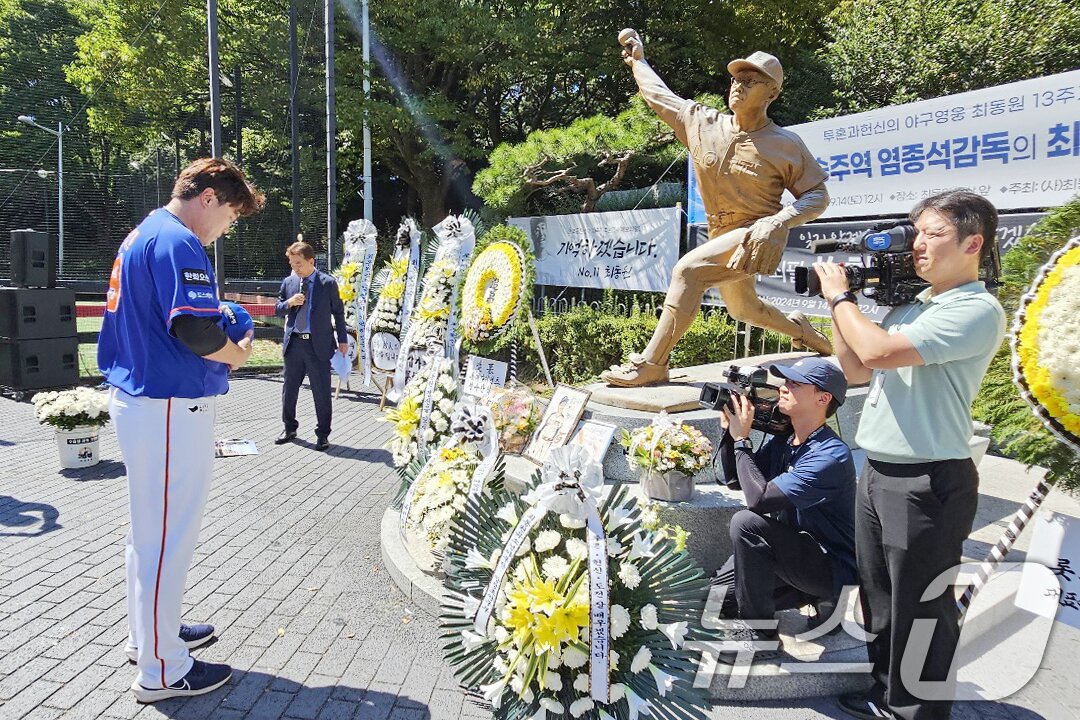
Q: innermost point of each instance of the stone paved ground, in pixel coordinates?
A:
(288, 568)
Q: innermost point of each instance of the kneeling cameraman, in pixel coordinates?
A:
(795, 543)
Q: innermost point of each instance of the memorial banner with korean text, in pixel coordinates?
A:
(779, 288)
(625, 250)
(1016, 144)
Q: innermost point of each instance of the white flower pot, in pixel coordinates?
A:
(79, 447)
(671, 486)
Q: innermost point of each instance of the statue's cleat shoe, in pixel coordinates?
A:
(810, 338)
(635, 373)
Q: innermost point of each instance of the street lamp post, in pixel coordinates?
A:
(59, 133)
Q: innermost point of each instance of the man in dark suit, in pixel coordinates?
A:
(307, 299)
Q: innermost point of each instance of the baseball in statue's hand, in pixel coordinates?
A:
(633, 48)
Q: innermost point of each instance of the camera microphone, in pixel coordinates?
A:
(822, 247)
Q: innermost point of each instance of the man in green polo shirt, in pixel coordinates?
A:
(919, 489)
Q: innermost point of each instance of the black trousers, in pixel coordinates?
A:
(774, 567)
(300, 360)
(910, 525)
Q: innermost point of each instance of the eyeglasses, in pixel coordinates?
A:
(750, 81)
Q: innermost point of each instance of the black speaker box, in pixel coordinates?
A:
(35, 313)
(33, 259)
(38, 364)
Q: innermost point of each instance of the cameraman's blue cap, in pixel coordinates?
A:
(819, 372)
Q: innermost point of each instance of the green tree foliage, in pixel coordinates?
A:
(885, 53)
(1015, 429)
(584, 159)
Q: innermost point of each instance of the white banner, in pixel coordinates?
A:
(1016, 144)
(626, 250)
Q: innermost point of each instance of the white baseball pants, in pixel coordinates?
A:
(168, 448)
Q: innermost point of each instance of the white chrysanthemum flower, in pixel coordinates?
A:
(620, 621)
(552, 681)
(648, 617)
(581, 706)
(614, 547)
(613, 660)
(552, 705)
(576, 549)
(581, 683)
(547, 540)
(641, 659)
(629, 575)
(571, 522)
(574, 658)
(555, 567)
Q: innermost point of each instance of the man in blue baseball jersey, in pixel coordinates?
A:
(164, 352)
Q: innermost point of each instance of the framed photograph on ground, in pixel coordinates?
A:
(594, 436)
(558, 423)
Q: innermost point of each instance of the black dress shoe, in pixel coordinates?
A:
(285, 437)
(322, 445)
(864, 707)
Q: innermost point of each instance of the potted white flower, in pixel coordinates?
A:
(77, 416)
(667, 454)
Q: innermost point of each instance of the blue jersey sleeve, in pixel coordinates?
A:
(184, 282)
(817, 477)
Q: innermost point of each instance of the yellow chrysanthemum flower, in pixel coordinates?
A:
(1048, 344)
(394, 289)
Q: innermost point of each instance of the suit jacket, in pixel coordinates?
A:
(325, 302)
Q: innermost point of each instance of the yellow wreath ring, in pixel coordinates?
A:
(493, 291)
(1046, 344)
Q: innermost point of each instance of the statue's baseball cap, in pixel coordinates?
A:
(762, 62)
(816, 371)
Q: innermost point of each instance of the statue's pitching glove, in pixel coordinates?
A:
(761, 250)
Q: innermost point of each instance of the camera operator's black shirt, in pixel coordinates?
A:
(818, 477)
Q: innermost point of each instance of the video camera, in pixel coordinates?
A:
(890, 279)
(752, 383)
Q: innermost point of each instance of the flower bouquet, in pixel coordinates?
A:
(561, 602)
(70, 409)
(665, 445)
(432, 312)
(76, 415)
(516, 413)
(388, 307)
(409, 437)
(434, 490)
(668, 454)
(1046, 345)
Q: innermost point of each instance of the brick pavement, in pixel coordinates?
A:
(288, 568)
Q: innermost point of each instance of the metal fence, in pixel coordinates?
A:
(109, 188)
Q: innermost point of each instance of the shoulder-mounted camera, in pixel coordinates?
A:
(755, 384)
(889, 278)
